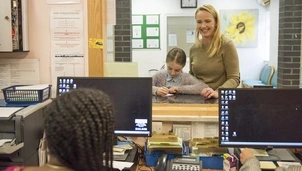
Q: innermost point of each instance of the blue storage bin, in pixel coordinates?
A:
(151, 158)
(14, 96)
(212, 162)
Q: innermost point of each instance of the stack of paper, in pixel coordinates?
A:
(206, 146)
(33, 87)
(268, 165)
(287, 164)
(169, 143)
(3, 141)
(120, 149)
(258, 152)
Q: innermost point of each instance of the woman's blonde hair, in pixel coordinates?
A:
(216, 40)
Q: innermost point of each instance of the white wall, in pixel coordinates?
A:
(39, 36)
(274, 31)
(251, 59)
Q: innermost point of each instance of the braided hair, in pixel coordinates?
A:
(79, 127)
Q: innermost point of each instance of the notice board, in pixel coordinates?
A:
(145, 31)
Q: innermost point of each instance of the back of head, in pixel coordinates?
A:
(176, 55)
(79, 128)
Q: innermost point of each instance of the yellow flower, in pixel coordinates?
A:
(242, 28)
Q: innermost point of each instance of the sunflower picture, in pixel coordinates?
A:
(240, 26)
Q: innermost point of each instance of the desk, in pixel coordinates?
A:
(184, 108)
(145, 168)
(26, 126)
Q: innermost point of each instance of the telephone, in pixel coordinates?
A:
(178, 163)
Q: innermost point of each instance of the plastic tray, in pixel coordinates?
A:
(14, 96)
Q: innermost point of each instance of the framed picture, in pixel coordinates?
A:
(240, 26)
(188, 3)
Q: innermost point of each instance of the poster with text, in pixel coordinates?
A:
(67, 48)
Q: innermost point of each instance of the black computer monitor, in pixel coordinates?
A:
(260, 118)
(131, 97)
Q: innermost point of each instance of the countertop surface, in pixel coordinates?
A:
(184, 99)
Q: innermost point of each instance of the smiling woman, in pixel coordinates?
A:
(214, 58)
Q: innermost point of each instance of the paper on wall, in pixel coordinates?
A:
(201, 130)
(190, 36)
(19, 72)
(172, 41)
(63, 1)
(67, 38)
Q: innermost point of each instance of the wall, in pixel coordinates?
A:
(289, 50)
(251, 59)
(39, 36)
(123, 31)
(273, 10)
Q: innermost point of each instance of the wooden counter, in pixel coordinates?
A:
(184, 108)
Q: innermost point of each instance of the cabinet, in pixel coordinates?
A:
(14, 26)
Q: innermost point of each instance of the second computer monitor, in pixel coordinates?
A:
(131, 98)
(264, 118)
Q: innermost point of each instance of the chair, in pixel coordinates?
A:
(152, 72)
(261, 73)
(265, 77)
(275, 79)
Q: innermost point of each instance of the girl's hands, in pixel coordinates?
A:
(173, 90)
(162, 91)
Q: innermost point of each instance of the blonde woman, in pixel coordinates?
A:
(213, 57)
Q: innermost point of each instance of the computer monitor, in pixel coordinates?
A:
(131, 98)
(260, 117)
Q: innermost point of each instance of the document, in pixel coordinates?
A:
(19, 72)
(63, 1)
(121, 149)
(172, 41)
(33, 87)
(267, 165)
(287, 164)
(258, 152)
(3, 141)
(67, 43)
(121, 165)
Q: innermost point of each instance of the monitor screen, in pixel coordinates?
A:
(264, 118)
(131, 98)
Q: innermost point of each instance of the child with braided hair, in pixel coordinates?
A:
(79, 128)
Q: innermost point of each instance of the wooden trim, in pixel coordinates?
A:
(96, 10)
(184, 112)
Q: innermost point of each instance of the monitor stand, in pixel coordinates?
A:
(278, 154)
(299, 155)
